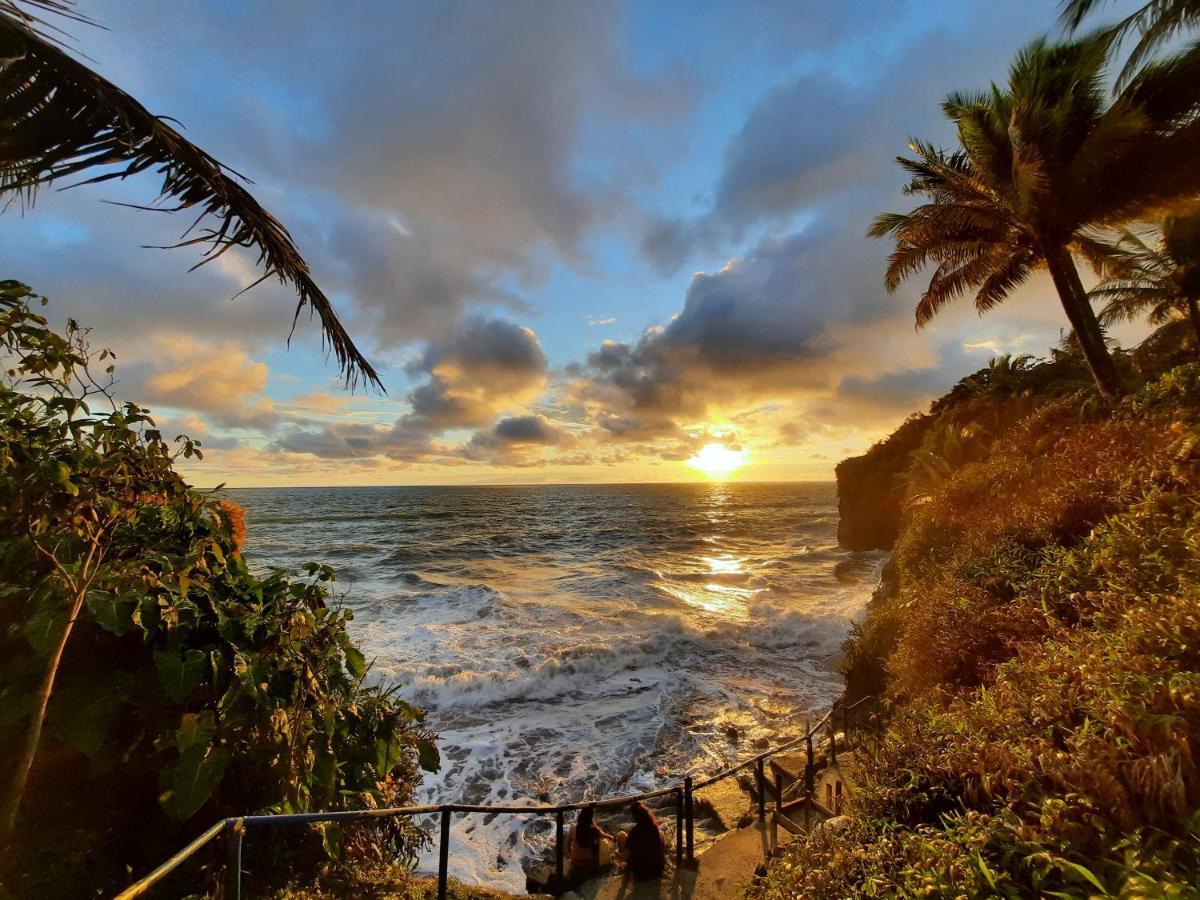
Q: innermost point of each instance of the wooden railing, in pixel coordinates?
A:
(233, 829)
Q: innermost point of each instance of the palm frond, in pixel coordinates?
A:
(1006, 275)
(59, 119)
(1155, 23)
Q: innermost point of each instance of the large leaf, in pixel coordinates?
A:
(44, 628)
(87, 713)
(428, 756)
(195, 729)
(192, 781)
(356, 662)
(112, 612)
(179, 675)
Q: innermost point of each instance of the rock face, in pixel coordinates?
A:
(871, 488)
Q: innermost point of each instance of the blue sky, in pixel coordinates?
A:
(580, 240)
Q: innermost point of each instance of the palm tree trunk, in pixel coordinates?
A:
(1194, 317)
(1083, 319)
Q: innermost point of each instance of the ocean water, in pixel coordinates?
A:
(580, 641)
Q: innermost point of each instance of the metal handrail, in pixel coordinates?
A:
(234, 827)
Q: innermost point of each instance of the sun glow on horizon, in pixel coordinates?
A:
(717, 461)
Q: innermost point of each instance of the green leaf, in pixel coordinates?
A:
(193, 780)
(428, 757)
(195, 729)
(331, 837)
(112, 612)
(43, 628)
(180, 675)
(356, 663)
(1086, 874)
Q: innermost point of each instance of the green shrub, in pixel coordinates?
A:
(179, 686)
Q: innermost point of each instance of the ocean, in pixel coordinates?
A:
(580, 641)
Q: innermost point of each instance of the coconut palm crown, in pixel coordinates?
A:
(1039, 162)
(1153, 273)
(1155, 23)
(59, 121)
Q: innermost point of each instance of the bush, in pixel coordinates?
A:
(1042, 652)
(178, 687)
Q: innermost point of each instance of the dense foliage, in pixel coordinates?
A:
(1042, 655)
(178, 686)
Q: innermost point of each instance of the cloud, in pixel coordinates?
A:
(424, 156)
(484, 366)
(817, 146)
(218, 379)
(474, 374)
(518, 440)
(770, 325)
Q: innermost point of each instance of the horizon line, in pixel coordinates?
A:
(513, 484)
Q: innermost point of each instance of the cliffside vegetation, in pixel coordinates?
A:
(151, 683)
(1040, 652)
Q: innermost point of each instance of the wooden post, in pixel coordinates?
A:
(444, 856)
(678, 826)
(233, 859)
(810, 766)
(559, 853)
(689, 814)
(762, 791)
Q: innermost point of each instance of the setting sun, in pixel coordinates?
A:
(717, 461)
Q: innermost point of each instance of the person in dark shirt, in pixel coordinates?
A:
(643, 847)
(590, 845)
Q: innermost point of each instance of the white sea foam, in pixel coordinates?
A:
(572, 642)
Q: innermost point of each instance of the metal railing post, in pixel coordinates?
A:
(559, 853)
(762, 791)
(444, 856)
(781, 785)
(810, 767)
(678, 826)
(234, 829)
(689, 814)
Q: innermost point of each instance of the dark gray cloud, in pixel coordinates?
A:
(471, 376)
(355, 440)
(527, 430)
(517, 440)
(482, 367)
(764, 326)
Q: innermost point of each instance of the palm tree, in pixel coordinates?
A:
(1038, 163)
(1153, 273)
(59, 119)
(1156, 23)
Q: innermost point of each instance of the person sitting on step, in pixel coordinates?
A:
(643, 847)
(591, 847)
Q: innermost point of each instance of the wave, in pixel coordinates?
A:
(567, 640)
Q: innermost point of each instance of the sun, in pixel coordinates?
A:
(716, 460)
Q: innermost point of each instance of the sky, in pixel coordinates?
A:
(580, 241)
